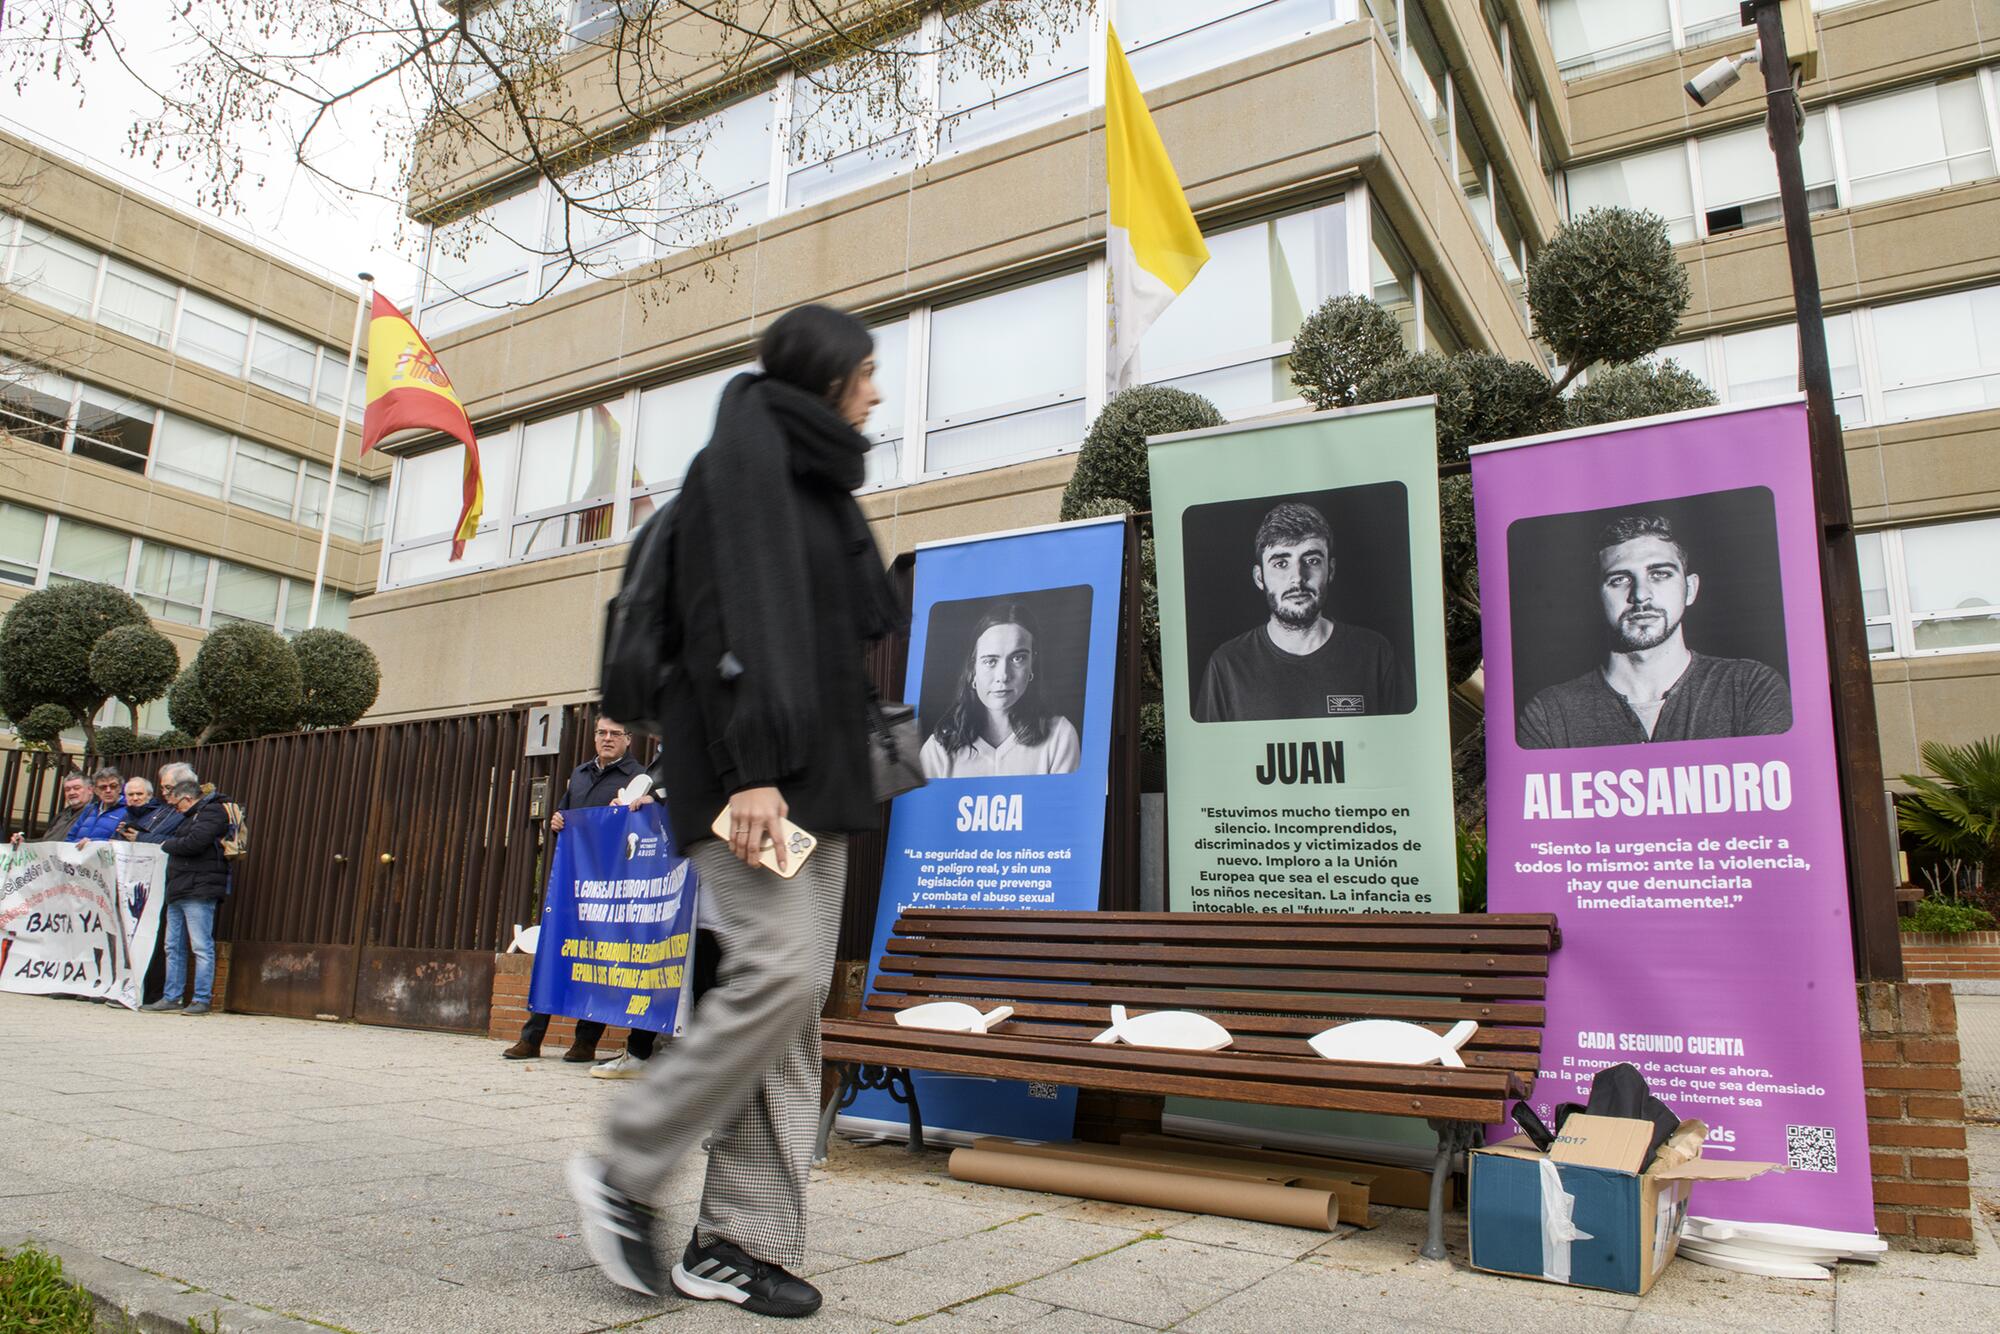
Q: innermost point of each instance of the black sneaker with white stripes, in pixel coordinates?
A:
(726, 1273)
(617, 1229)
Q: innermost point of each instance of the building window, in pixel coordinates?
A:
(113, 429)
(244, 596)
(982, 408)
(1392, 278)
(332, 374)
(1425, 71)
(350, 512)
(54, 270)
(1228, 337)
(722, 163)
(675, 421)
(281, 360)
(852, 124)
(21, 533)
(192, 455)
(35, 405)
(212, 333)
(1044, 82)
(264, 479)
(171, 584)
(1933, 589)
(888, 424)
(1739, 175)
(1590, 36)
(1168, 41)
(85, 553)
(333, 607)
(1753, 364)
(1657, 180)
(1915, 140)
(477, 264)
(1475, 173)
(429, 494)
(569, 480)
(603, 226)
(136, 303)
(1939, 355)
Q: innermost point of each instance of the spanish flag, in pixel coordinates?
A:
(1153, 248)
(408, 390)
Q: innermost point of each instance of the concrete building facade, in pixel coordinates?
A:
(169, 392)
(1416, 151)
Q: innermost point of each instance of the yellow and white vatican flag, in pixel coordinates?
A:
(1153, 248)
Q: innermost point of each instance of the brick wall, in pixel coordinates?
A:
(510, 1011)
(1916, 1115)
(1975, 954)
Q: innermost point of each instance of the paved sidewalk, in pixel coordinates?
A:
(379, 1180)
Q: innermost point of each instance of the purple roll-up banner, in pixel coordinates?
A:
(1660, 775)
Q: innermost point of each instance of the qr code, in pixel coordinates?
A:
(1810, 1149)
(1038, 1089)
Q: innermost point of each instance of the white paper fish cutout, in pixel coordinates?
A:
(1393, 1042)
(952, 1017)
(1183, 1030)
(525, 940)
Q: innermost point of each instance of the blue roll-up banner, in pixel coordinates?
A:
(1013, 652)
(618, 922)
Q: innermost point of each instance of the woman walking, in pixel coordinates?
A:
(778, 588)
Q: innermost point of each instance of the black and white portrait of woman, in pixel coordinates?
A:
(1001, 721)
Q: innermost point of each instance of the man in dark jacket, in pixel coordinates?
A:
(593, 783)
(76, 800)
(146, 820)
(197, 882)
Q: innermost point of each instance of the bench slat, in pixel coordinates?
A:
(1485, 1109)
(1272, 931)
(1159, 998)
(1248, 956)
(1095, 1019)
(1196, 975)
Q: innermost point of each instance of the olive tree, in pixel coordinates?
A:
(339, 678)
(43, 725)
(45, 649)
(249, 680)
(134, 664)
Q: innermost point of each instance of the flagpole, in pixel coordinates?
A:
(339, 438)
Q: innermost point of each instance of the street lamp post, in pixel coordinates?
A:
(1878, 951)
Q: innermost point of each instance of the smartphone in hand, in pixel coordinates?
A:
(798, 845)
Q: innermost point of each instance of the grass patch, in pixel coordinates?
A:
(35, 1298)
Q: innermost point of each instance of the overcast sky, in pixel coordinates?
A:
(291, 211)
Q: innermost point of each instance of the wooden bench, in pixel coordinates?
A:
(1272, 981)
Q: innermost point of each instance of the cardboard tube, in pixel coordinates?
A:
(1256, 1201)
(1402, 1187)
(1350, 1193)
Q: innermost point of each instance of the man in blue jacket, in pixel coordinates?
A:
(100, 819)
(197, 882)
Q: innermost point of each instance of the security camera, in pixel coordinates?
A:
(1720, 77)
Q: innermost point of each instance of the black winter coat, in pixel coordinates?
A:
(196, 868)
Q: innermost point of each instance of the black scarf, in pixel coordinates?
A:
(776, 447)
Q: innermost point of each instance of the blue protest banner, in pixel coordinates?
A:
(618, 922)
(1013, 648)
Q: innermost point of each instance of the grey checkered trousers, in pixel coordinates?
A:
(748, 1067)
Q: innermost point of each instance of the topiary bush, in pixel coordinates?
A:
(250, 679)
(339, 678)
(1342, 343)
(187, 707)
(1606, 288)
(172, 739)
(45, 645)
(134, 664)
(1641, 389)
(1112, 463)
(117, 740)
(42, 726)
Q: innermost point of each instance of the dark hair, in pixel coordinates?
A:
(814, 348)
(1029, 719)
(1288, 523)
(1627, 527)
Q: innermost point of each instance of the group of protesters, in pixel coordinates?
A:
(186, 820)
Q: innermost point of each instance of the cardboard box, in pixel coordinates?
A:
(1624, 1225)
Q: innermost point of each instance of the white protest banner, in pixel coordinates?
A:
(80, 920)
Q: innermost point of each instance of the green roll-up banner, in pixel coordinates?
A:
(1302, 641)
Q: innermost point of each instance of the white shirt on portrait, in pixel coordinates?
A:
(1057, 753)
